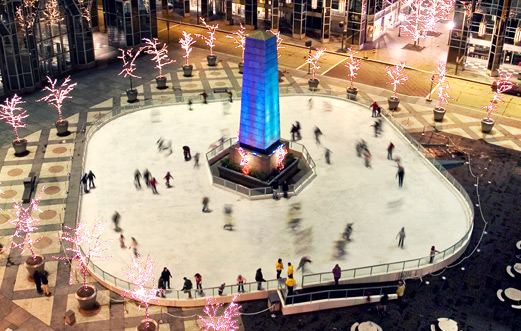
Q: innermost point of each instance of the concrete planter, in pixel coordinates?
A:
(241, 66)
(486, 125)
(439, 112)
(32, 266)
(87, 298)
(62, 127)
(187, 70)
(351, 93)
(20, 147)
(393, 103)
(152, 325)
(212, 60)
(131, 95)
(313, 84)
(161, 83)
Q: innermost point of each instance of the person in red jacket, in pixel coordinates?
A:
(153, 184)
(167, 178)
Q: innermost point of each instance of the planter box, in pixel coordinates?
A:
(439, 112)
(486, 125)
(313, 84)
(87, 300)
(161, 83)
(187, 70)
(212, 60)
(351, 93)
(62, 127)
(393, 103)
(20, 147)
(252, 182)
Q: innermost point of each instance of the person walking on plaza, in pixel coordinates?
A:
(38, 282)
(147, 176)
(167, 178)
(240, 282)
(206, 200)
(45, 283)
(401, 235)
(196, 160)
(205, 96)
(133, 245)
(122, 241)
(275, 188)
(115, 218)
(337, 273)
(187, 287)
(432, 254)
(290, 270)
(137, 177)
(259, 278)
(290, 284)
(285, 189)
(199, 282)
(374, 107)
(400, 174)
(166, 275)
(390, 151)
(91, 177)
(279, 266)
(302, 263)
(400, 291)
(84, 182)
(153, 183)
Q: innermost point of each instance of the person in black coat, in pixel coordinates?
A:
(84, 180)
(259, 278)
(38, 282)
(285, 188)
(275, 187)
(166, 275)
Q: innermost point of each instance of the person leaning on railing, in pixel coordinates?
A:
(290, 283)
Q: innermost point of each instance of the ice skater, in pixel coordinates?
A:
(147, 176)
(167, 178)
(367, 158)
(297, 124)
(318, 133)
(228, 219)
(376, 126)
(275, 188)
(190, 105)
(302, 263)
(230, 96)
(166, 275)
(374, 106)
(240, 283)
(137, 179)
(294, 216)
(432, 254)
(340, 249)
(347, 232)
(83, 182)
(401, 235)
(327, 156)
(205, 96)
(400, 174)
(186, 153)
(199, 282)
(133, 245)
(91, 177)
(279, 266)
(293, 132)
(196, 160)
(159, 143)
(285, 189)
(259, 278)
(122, 241)
(360, 146)
(187, 287)
(390, 149)
(115, 218)
(153, 183)
(310, 103)
(206, 200)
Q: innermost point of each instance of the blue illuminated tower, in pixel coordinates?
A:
(260, 120)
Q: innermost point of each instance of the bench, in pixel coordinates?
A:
(29, 187)
(220, 90)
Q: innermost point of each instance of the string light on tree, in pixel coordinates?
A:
(279, 41)
(239, 39)
(440, 79)
(352, 64)
(245, 160)
(186, 43)
(129, 65)
(210, 39)
(13, 115)
(502, 84)
(52, 12)
(225, 322)
(93, 248)
(140, 274)
(160, 55)
(397, 75)
(84, 6)
(281, 155)
(313, 61)
(57, 95)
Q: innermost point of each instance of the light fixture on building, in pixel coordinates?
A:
(482, 28)
(288, 1)
(517, 36)
(314, 4)
(342, 6)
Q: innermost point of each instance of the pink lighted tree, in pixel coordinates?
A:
(186, 43)
(93, 248)
(245, 160)
(440, 79)
(501, 84)
(353, 64)
(281, 151)
(419, 21)
(313, 61)
(279, 41)
(57, 95)
(160, 54)
(225, 322)
(129, 64)
(239, 39)
(210, 39)
(13, 115)
(25, 224)
(140, 275)
(397, 75)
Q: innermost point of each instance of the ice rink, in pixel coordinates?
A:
(171, 228)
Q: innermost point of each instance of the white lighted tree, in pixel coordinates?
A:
(352, 64)
(397, 75)
(186, 43)
(93, 248)
(418, 21)
(13, 114)
(57, 94)
(210, 39)
(440, 80)
(52, 12)
(239, 39)
(160, 54)
(313, 61)
(226, 321)
(279, 41)
(129, 65)
(85, 6)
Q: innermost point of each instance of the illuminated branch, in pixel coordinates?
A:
(225, 322)
(94, 248)
(25, 224)
(140, 275)
(279, 41)
(84, 6)
(239, 39)
(129, 64)
(160, 55)
(57, 95)
(245, 160)
(397, 75)
(353, 64)
(443, 85)
(419, 21)
(502, 84)
(52, 12)
(281, 155)
(313, 61)
(186, 43)
(209, 40)
(27, 19)
(13, 115)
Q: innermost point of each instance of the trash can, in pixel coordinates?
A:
(274, 302)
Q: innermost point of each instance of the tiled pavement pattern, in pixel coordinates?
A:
(57, 163)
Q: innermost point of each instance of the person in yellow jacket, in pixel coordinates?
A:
(290, 270)
(279, 266)
(400, 291)
(290, 283)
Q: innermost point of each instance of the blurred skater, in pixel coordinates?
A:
(83, 182)
(275, 188)
(205, 96)
(196, 160)
(302, 263)
(293, 132)
(167, 178)
(297, 125)
(318, 133)
(206, 200)
(115, 218)
(285, 189)
(400, 174)
(347, 232)
(230, 96)
(376, 126)
(137, 177)
(122, 241)
(367, 158)
(401, 235)
(190, 104)
(147, 176)
(390, 149)
(228, 220)
(153, 183)
(133, 245)
(186, 153)
(327, 156)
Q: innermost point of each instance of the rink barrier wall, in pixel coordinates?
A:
(383, 272)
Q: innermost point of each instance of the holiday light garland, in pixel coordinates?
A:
(443, 85)
(281, 155)
(502, 84)
(225, 322)
(279, 41)
(245, 160)
(129, 65)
